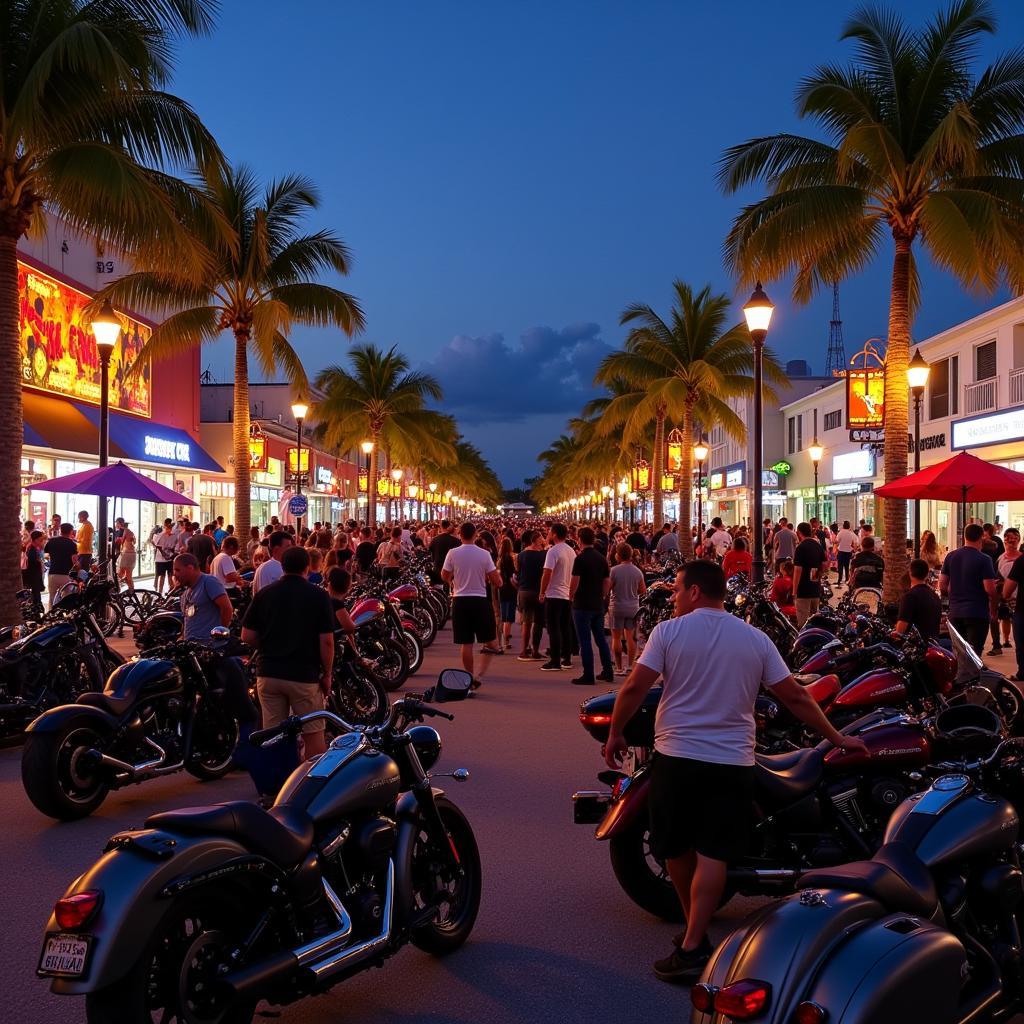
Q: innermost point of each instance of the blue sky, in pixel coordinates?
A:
(511, 176)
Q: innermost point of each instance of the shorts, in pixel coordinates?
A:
(697, 805)
(473, 619)
(528, 603)
(280, 698)
(621, 622)
(163, 569)
(508, 611)
(126, 561)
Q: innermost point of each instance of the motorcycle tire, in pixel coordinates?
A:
(438, 606)
(190, 926)
(391, 666)
(52, 774)
(360, 698)
(430, 868)
(215, 738)
(414, 648)
(425, 623)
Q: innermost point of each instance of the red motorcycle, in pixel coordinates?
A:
(383, 638)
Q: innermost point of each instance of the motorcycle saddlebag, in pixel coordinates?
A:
(842, 951)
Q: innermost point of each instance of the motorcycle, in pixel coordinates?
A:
(156, 715)
(928, 929)
(57, 661)
(382, 639)
(208, 910)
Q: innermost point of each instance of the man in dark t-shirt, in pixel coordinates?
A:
(291, 624)
(62, 552)
(920, 606)
(444, 542)
(366, 550)
(867, 567)
(807, 561)
(969, 578)
(588, 589)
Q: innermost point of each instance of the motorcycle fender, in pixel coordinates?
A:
(407, 814)
(56, 718)
(630, 808)
(132, 879)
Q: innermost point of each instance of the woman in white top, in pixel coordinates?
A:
(126, 560)
(1011, 541)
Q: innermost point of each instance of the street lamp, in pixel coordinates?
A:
(700, 453)
(299, 410)
(917, 378)
(816, 452)
(396, 475)
(106, 327)
(433, 491)
(758, 313)
(371, 485)
(632, 507)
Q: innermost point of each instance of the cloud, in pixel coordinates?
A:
(487, 380)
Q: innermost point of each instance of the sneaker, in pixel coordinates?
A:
(994, 651)
(682, 968)
(622, 671)
(583, 681)
(607, 676)
(566, 664)
(490, 650)
(551, 666)
(536, 656)
(525, 656)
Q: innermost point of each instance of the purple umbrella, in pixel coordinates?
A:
(116, 481)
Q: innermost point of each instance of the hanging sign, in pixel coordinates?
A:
(865, 389)
(298, 504)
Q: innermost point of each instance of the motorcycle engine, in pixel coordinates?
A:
(161, 724)
(885, 795)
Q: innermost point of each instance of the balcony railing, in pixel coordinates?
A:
(1017, 386)
(980, 397)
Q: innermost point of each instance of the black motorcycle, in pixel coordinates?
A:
(155, 716)
(206, 911)
(928, 929)
(55, 662)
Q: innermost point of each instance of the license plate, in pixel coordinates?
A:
(64, 955)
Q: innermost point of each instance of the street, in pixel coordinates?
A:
(556, 940)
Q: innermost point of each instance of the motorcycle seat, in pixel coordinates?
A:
(117, 706)
(784, 778)
(895, 876)
(284, 834)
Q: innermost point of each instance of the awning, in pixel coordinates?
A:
(66, 425)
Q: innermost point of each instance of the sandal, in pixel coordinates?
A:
(491, 650)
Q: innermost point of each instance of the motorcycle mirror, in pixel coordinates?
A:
(220, 633)
(452, 684)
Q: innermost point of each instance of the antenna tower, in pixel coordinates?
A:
(836, 364)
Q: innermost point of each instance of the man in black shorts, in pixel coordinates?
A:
(702, 772)
(468, 569)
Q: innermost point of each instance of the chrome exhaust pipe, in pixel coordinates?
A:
(354, 954)
(318, 948)
(135, 769)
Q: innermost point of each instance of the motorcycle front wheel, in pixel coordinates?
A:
(215, 739)
(358, 696)
(414, 648)
(59, 774)
(175, 979)
(436, 881)
(391, 665)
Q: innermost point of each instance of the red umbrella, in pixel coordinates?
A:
(962, 478)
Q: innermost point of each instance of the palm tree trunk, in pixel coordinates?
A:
(686, 483)
(240, 435)
(371, 484)
(658, 467)
(12, 425)
(894, 512)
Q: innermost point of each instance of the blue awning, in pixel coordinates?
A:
(131, 437)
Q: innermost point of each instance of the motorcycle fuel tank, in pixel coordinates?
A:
(882, 686)
(42, 638)
(406, 592)
(896, 746)
(367, 610)
(148, 677)
(941, 665)
(596, 717)
(953, 822)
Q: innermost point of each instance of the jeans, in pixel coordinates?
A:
(973, 631)
(591, 624)
(843, 565)
(557, 611)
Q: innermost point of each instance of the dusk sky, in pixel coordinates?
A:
(510, 176)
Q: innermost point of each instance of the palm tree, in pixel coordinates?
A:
(261, 280)
(918, 146)
(382, 400)
(685, 370)
(85, 129)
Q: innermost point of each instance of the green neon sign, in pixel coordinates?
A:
(782, 468)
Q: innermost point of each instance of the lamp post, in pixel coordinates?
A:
(917, 378)
(299, 410)
(700, 453)
(396, 475)
(371, 485)
(106, 328)
(433, 491)
(816, 452)
(758, 313)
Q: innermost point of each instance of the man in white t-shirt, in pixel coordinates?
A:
(468, 569)
(702, 773)
(720, 539)
(554, 594)
(223, 566)
(270, 571)
(846, 544)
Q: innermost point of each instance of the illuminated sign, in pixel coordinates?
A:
(324, 476)
(996, 428)
(782, 468)
(852, 465)
(58, 351)
(717, 481)
(298, 460)
(865, 389)
(769, 478)
(734, 478)
(169, 451)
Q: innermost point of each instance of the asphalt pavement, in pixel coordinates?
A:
(556, 939)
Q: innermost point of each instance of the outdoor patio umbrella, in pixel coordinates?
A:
(116, 481)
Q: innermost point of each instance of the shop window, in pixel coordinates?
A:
(943, 387)
(791, 433)
(800, 433)
(985, 361)
(834, 419)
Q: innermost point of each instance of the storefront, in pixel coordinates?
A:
(151, 429)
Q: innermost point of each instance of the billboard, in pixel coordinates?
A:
(58, 350)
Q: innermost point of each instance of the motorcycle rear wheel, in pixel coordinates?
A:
(414, 648)
(216, 737)
(391, 666)
(54, 776)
